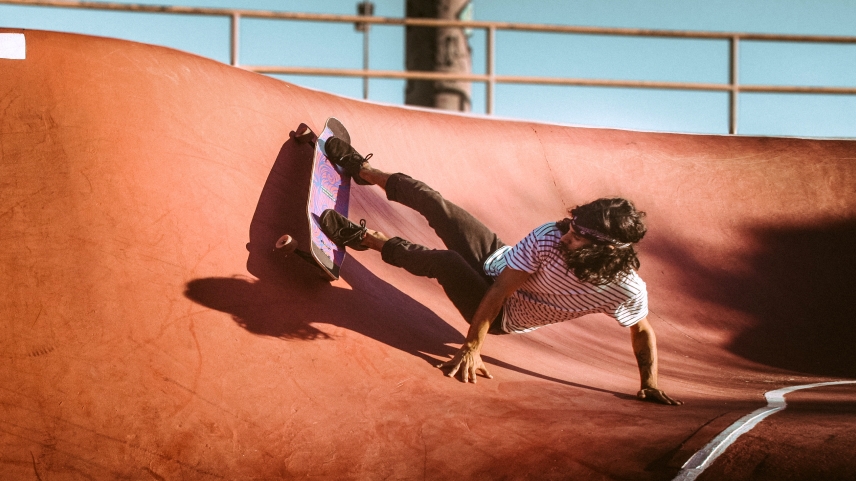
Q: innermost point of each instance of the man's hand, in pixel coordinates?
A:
(645, 347)
(657, 396)
(468, 361)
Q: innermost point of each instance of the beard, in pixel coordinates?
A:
(599, 264)
(575, 257)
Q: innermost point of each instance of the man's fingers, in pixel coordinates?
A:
(660, 397)
(665, 399)
(673, 402)
(468, 367)
(454, 363)
(656, 395)
(445, 364)
(465, 371)
(472, 373)
(454, 369)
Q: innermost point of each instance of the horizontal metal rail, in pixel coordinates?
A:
(490, 78)
(427, 22)
(514, 79)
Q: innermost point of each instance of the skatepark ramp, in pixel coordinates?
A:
(147, 333)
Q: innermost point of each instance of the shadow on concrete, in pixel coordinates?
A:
(287, 306)
(496, 362)
(797, 284)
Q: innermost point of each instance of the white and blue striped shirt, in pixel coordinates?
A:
(553, 293)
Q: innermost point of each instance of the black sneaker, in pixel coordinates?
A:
(342, 231)
(342, 154)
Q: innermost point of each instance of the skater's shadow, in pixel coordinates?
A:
(286, 304)
(289, 304)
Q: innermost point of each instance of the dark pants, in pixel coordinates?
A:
(459, 269)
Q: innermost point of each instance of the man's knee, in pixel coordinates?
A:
(404, 189)
(449, 265)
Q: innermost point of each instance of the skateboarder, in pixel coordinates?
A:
(560, 271)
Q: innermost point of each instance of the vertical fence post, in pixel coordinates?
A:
(735, 84)
(365, 8)
(366, 61)
(236, 18)
(491, 79)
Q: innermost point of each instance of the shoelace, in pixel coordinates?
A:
(357, 235)
(354, 157)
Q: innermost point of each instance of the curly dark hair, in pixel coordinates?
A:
(602, 262)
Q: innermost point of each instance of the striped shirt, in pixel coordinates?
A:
(553, 294)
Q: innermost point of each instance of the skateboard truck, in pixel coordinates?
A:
(303, 135)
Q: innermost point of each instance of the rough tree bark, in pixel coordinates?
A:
(437, 50)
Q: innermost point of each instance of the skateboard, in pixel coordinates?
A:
(330, 188)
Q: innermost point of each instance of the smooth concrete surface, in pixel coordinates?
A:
(146, 333)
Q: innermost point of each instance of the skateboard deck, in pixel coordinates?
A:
(330, 188)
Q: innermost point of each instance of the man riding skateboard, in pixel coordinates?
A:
(561, 271)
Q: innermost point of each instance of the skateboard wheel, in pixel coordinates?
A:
(286, 245)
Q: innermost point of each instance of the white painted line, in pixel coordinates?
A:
(13, 46)
(705, 457)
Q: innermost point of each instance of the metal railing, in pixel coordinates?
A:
(490, 78)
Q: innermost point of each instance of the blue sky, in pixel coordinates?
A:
(266, 42)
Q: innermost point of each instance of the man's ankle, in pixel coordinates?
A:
(374, 240)
(373, 176)
(365, 173)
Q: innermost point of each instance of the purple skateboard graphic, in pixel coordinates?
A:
(329, 188)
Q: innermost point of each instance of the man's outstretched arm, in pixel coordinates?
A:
(645, 348)
(468, 359)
